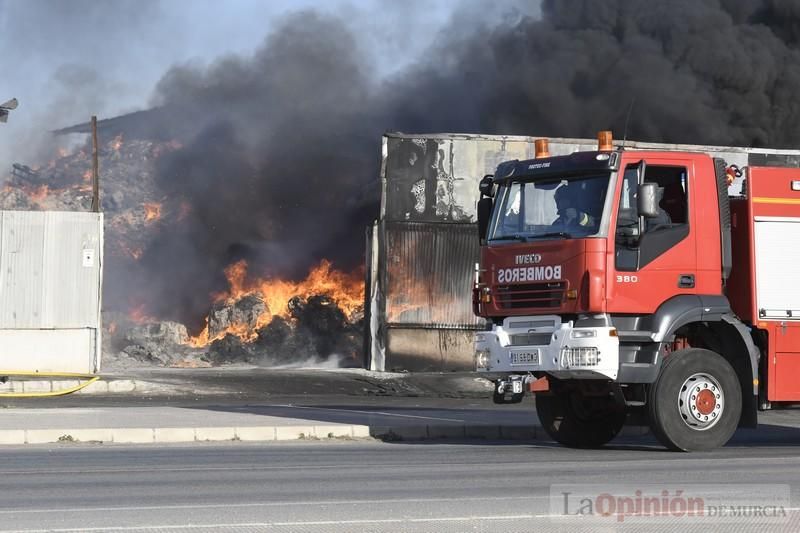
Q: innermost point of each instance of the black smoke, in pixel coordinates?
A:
(281, 149)
(716, 72)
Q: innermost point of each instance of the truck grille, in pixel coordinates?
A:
(530, 339)
(538, 295)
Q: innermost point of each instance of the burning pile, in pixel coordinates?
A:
(261, 321)
(258, 319)
(320, 315)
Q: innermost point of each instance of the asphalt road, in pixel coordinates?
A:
(356, 486)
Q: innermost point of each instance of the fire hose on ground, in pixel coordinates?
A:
(90, 378)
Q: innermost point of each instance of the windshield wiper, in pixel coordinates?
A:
(514, 237)
(562, 234)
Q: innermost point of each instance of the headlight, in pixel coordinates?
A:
(580, 356)
(482, 359)
(583, 333)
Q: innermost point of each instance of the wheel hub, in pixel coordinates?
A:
(706, 401)
(701, 401)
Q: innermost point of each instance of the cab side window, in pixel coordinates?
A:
(638, 244)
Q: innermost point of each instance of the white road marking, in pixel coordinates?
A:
(268, 504)
(261, 468)
(307, 523)
(289, 524)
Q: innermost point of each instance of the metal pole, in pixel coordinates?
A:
(95, 169)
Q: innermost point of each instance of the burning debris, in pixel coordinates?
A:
(267, 321)
(316, 326)
(324, 324)
(152, 212)
(163, 343)
(257, 320)
(242, 316)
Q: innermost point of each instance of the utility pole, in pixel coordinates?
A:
(6, 107)
(95, 169)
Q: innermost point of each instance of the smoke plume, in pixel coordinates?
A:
(716, 72)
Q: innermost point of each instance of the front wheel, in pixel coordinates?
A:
(579, 421)
(696, 402)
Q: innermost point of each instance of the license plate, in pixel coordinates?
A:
(528, 357)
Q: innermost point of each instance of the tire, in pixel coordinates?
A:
(696, 401)
(576, 421)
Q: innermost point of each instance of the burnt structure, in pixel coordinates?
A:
(423, 248)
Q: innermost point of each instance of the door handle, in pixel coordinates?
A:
(686, 281)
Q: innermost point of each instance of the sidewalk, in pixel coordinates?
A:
(159, 425)
(252, 423)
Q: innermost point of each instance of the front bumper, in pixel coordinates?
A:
(546, 344)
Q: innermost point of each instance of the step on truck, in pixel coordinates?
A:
(627, 286)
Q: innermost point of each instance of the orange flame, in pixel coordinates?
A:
(138, 315)
(169, 146)
(135, 253)
(345, 289)
(152, 212)
(39, 194)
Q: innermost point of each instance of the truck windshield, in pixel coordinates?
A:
(549, 208)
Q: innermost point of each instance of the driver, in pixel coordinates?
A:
(569, 216)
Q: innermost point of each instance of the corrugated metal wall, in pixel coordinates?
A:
(50, 290)
(430, 270)
(427, 248)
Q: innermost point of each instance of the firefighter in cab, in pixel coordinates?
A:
(570, 217)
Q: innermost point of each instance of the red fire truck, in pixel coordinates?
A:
(626, 286)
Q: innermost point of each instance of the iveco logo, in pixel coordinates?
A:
(528, 259)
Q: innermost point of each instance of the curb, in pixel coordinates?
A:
(280, 433)
(477, 432)
(102, 386)
(182, 434)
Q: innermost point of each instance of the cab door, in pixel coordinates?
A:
(652, 259)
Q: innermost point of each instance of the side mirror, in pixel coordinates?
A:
(647, 201)
(486, 185)
(484, 215)
(641, 168)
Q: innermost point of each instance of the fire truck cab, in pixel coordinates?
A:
(625, 285)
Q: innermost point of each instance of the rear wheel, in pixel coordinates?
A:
(579, 421)
(696, 402)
